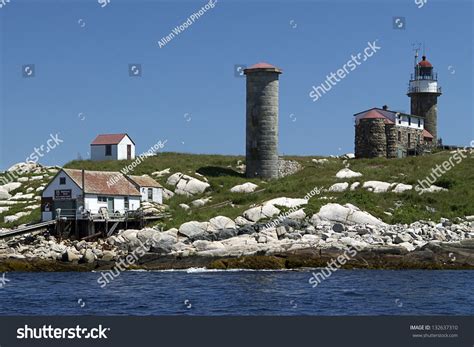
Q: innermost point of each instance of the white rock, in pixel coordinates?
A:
(174, 178)
(4, 209)
(408, 246)
(244, 188)
(286, 202)
(15, 217)
(434, 189)
(241, 221)
(23, 179)
(184, 207)
(202, 245)
(21, 196)
(200, 202)
(297, 215)
(222, 222)
(36, 178)
(256, 213)
(355, 185)
(376, 186)
(32, 207)
(4, 194)
(348, 173)
(400, 188)
(311, 239)
(161, 173)
(348, 241)
(29, 190)
(187, 185)
(167, 194)
(25, 167)
(193, 228)
(319, 161)
(10, 186)
(347, 214)
(339, 187)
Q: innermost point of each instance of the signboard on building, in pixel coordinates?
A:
(63, 194)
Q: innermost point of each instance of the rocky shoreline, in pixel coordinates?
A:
(222, 243)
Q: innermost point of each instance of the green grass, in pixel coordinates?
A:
(222, 174)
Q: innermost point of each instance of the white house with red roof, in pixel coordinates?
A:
(112, 147)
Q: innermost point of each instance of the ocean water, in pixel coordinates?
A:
(202, 292)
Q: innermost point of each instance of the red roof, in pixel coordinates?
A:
(263, 66)
(374, 114)
(109, 139)
(424, 62)
(427, 134)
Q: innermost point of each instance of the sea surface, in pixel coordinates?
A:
(240, 292)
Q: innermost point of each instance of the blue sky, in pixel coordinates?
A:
(188, 93)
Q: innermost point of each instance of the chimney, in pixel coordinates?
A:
(385, 107)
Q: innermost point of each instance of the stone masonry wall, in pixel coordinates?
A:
(262, 125)
(370, 139)
(426, 105)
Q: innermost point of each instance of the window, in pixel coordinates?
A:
(126, 203)
(409, 120)
(62, 180)
(108, 150)
(150, 193)
(419, 122)
(399, 136)
(102, 199)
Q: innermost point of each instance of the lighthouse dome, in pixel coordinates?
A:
(424, 62)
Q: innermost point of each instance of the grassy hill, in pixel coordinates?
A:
(407, 207)
(222, 173)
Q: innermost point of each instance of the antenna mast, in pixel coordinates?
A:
(416, 47)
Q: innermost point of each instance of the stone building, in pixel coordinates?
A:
(380, 132)
(262, 121)
(389, 134)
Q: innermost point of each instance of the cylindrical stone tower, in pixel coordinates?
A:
(262, 121)
(424, 92)
(371, 136)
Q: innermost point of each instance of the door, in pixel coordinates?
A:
(67, 207)
(129, 152)
(110, 205)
